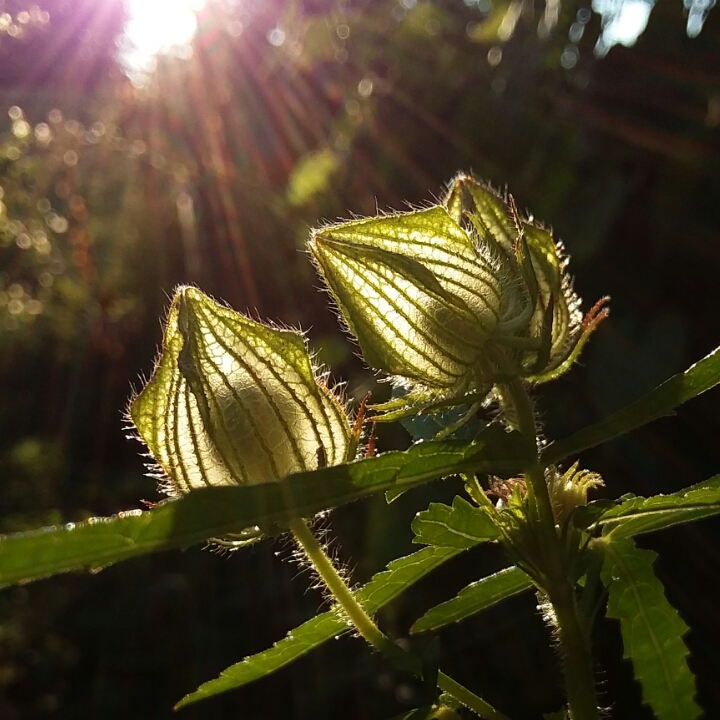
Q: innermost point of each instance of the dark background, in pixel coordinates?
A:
(211, 172)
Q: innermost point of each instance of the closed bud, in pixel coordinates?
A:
(451, 299)
(551, 337)
(232, 401)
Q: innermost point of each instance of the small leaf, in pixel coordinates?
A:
(475, 597)
(461, 526)
(652, 631)
(428, 425)
(218, 512)
(658, 403)
(384, 587)
(637, 515)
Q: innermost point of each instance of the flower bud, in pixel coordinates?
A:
(569, 490)
(233, 401)
(417, 294)
(556, 331)
(451, 299)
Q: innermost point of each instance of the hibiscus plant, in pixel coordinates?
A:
(462, 307)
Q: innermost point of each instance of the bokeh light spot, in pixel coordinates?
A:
(276, 37)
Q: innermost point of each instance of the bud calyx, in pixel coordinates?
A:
(232, 401)
(452, 299)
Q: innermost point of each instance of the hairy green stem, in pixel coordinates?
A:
(576, 651)
(365, 625)
(574, 639)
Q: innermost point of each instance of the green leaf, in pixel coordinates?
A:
(384, 587)
(652, 631)
(637, 515)
(658, 403)
(475, 597)
(428, 425)
(461, 526)
(218, 512)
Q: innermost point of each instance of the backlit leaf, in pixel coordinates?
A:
(384, 587)
(637, 515)
(461, 526)
(218, 512)
(658, 403)
(475, 597)
(652, 631)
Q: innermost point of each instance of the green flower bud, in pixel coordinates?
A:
(454, 298)
(569, 490)
(551, 339)
(233, 401)
(416, 293)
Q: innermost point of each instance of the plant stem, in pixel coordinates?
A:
(574, 641)
(365, 625)
(577, 655)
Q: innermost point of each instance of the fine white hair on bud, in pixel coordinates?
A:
(452, 299)
(233, 401)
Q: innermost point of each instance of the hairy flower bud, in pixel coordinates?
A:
(414, 291)
(233, 401)
(569, 490)
(451, 299)
(555, 331)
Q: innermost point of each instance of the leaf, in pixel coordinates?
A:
(652, 631)
(311, 176)
(637, 515)
(428, 425)
(461, 526)
(660, 402)
(475, 597)
(218, 512)
(384, 587)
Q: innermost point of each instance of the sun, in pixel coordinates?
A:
(154, 27)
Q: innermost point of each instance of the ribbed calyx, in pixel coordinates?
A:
(451, 299)
(233, 401)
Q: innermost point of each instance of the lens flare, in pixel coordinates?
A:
(155, 27)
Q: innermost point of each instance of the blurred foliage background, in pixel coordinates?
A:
(120, 179)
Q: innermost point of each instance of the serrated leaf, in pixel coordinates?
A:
(461, 526)
(384, 587)
(475, 597)
(637, 515)
(218, 512)
(660, 402)
(652, 631)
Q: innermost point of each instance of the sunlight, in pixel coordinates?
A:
(154, 27)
